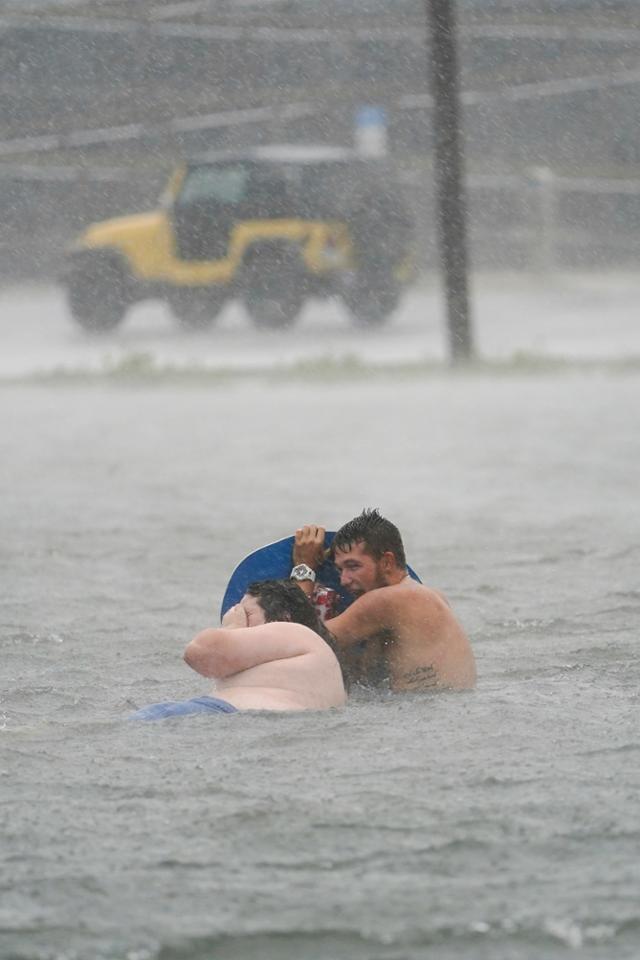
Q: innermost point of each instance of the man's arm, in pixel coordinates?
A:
(221, 652)
(368, 616)
(308, 547)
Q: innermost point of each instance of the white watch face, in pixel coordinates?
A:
(302, 572)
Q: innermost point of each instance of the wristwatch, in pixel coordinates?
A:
(302, 572)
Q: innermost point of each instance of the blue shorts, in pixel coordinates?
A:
(182, 708)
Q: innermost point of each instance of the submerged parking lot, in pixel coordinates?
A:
(565, 316)
(492, 823)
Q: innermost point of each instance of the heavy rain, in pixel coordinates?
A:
(258, 272)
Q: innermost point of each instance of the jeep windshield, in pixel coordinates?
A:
(267, 191)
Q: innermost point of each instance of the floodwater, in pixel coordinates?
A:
(499, 824)
(579, 316)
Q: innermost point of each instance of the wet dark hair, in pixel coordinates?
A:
(377, 534)
(283, 600)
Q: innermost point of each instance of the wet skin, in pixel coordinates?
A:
(358, 570)
(397, 631)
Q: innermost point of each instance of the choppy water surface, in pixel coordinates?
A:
(497, 824)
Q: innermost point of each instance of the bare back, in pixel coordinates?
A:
(425, 646)
(274, 666)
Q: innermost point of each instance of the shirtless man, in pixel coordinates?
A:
(269, 654)
(403, 625)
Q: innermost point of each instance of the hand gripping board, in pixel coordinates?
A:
(274, 562)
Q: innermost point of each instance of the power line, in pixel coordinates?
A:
(138, 131)
(270, 34)
(530, 91)
(296, 111)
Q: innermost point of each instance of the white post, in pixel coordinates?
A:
(371, 131)
(544, 232)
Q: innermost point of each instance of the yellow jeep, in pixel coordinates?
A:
(272, 226)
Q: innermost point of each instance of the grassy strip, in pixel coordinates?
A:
(142, 368)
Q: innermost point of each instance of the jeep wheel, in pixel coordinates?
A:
(98, 294)
(371, 305)
(273, 312)
(196, 309)
(273, 287)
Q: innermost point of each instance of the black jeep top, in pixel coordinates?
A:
(288, 181)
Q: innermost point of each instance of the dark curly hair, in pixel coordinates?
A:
(283, 600)
(376, 533)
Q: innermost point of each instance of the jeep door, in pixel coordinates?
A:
(206, 209)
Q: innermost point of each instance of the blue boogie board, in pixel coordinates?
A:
(274, 562)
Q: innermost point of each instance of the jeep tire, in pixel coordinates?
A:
(273, 287)
(98, 292)
(371, 302)
(196, 309)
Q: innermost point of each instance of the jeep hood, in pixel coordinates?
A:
(113, 232)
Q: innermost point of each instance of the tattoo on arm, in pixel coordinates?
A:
(420, 678)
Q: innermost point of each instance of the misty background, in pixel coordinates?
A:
(99, 100)
(139, 468)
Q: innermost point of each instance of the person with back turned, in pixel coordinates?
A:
(396, 629)
(270, 653)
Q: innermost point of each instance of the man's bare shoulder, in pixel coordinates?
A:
(407, 591)
(405, 601)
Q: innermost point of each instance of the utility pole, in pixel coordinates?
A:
(449, 174)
